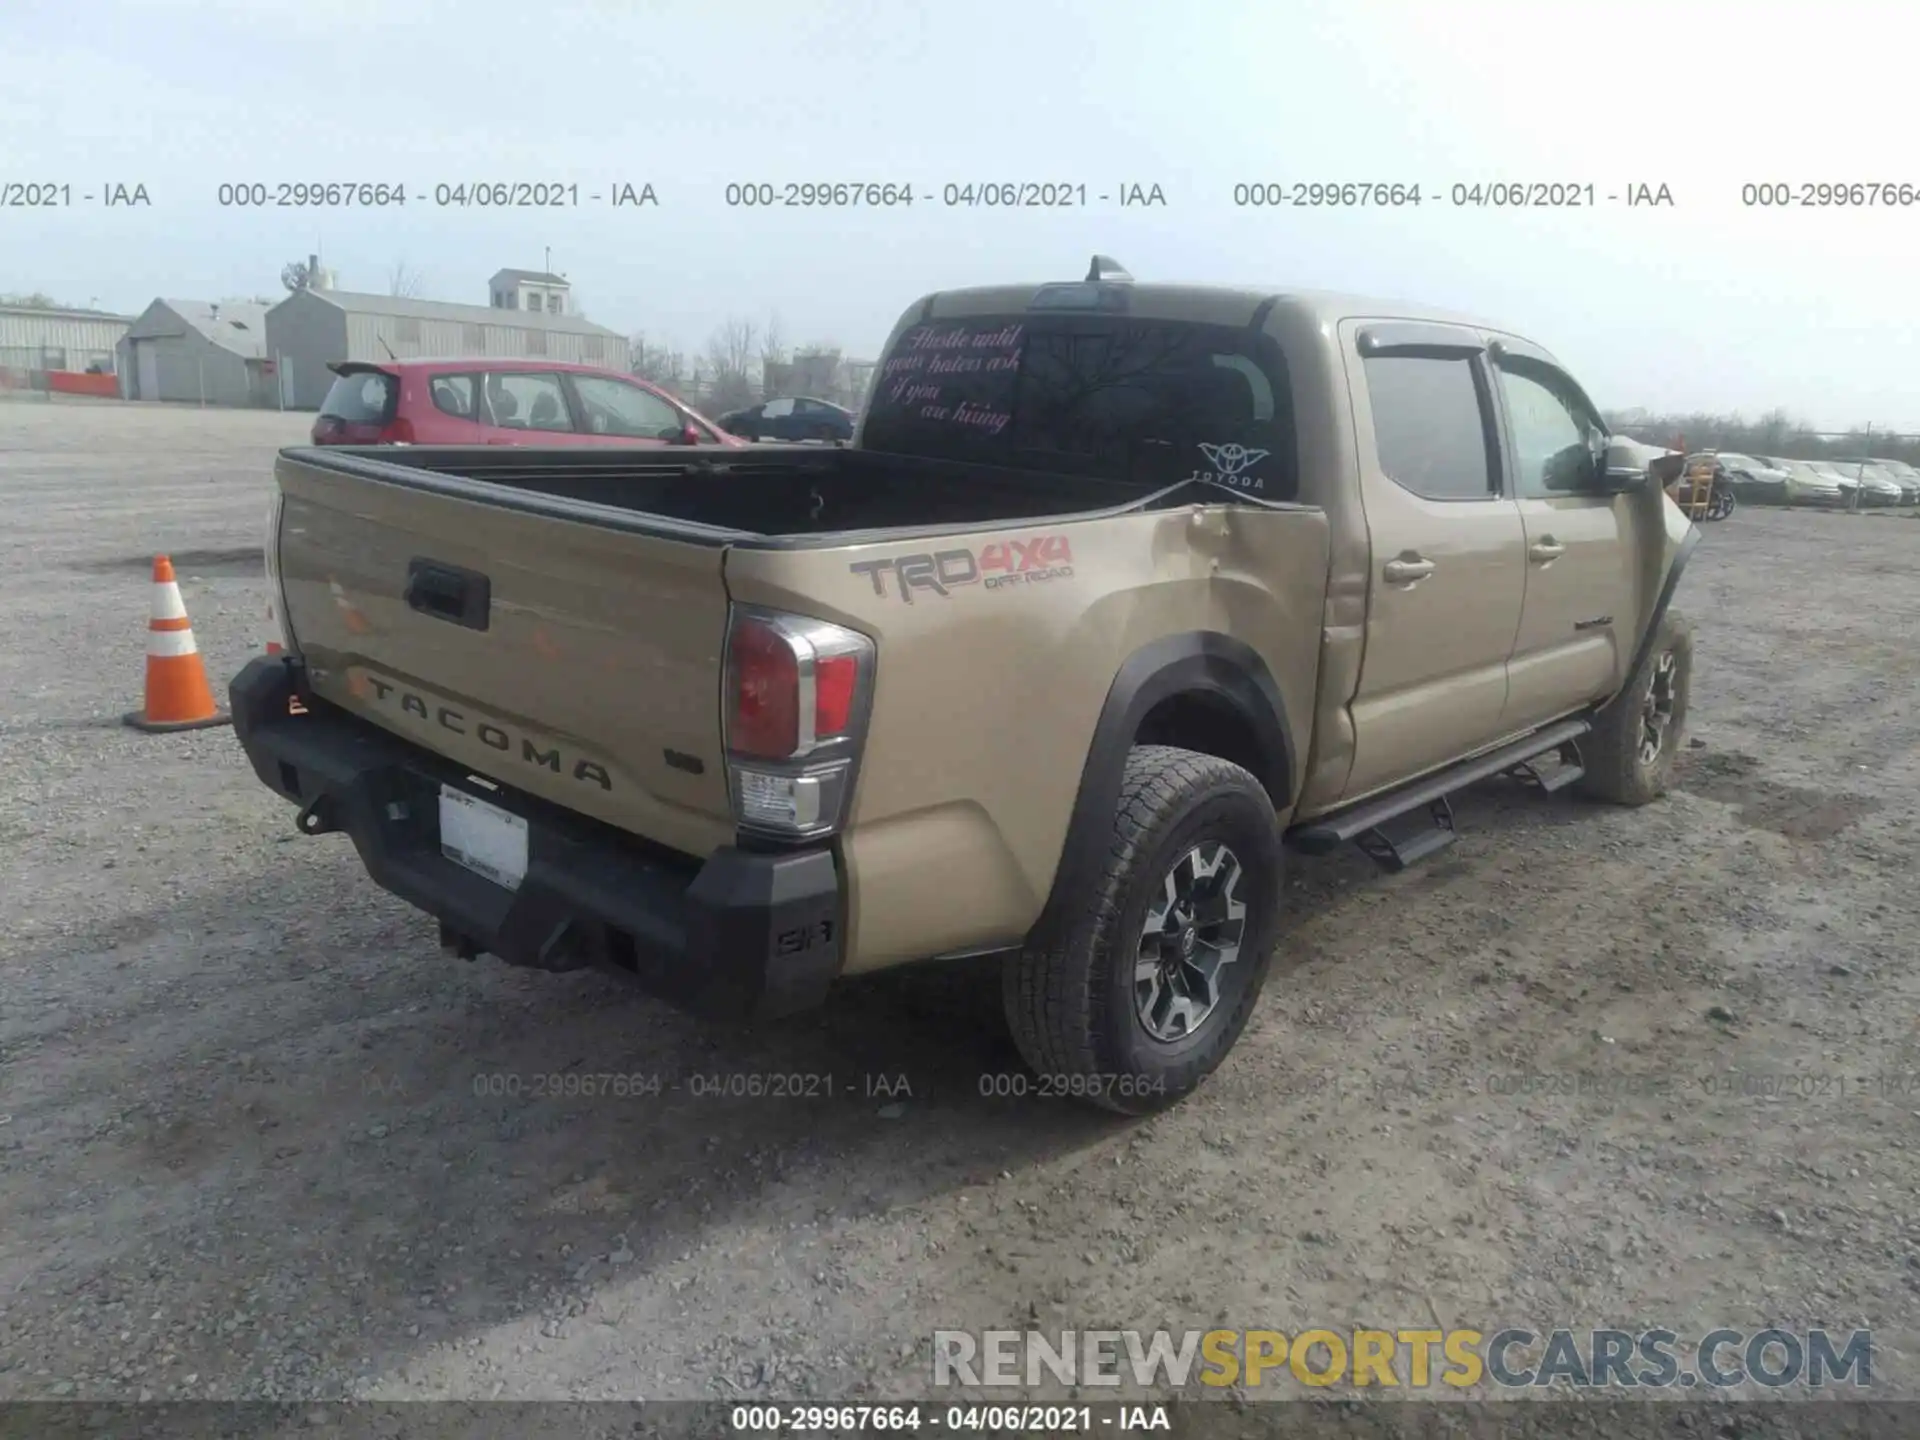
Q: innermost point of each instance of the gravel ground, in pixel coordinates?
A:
(258, 1139)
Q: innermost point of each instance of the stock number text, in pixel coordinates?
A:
(818, 194)
(1345, 194)
(310, 194)
(1821, 194)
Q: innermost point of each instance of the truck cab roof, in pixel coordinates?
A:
(1203, 304)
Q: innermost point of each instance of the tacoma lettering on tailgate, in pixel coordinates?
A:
(488, 732)
(995, 566)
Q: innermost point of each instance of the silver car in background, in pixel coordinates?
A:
(1876, 486)
(1806, 485)
(1840, 476)
(1903, 475)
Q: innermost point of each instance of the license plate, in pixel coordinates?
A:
(484, 838)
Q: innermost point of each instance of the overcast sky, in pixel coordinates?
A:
(1706, 304)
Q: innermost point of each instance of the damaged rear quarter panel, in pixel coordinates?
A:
(990, 679)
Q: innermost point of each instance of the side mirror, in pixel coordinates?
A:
(1616, 472)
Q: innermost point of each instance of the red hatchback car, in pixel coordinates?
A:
(503, 402)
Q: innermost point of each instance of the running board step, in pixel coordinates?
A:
(1401, 842)
(1369, 818)
(1551, 782)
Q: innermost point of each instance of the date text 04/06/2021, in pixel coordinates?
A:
(951, 194)
(1462, 195)
(444, 195)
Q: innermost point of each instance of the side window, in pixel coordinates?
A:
(1429, 427)
(614, 408)
(527, 402)
(453, 395)
(1551, 442)
(776, 409)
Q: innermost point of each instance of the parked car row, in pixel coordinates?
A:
(1776, 480)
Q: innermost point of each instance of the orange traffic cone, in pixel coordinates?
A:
(178, 696)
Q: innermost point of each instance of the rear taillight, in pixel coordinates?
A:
(332, 430)
(278, 638)
(796, 696)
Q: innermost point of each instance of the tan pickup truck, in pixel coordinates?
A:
(1120, 591)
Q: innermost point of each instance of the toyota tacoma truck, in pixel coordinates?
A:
(1121, 592)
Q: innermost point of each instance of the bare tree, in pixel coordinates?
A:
(404, 282)
(35, 300)
(775, 363)
(730, 359)
(663, 365)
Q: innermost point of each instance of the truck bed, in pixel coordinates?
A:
(766, 494)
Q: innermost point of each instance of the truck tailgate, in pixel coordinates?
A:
(575, 662)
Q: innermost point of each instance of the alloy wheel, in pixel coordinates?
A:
(1192, 933)
(1656, 710)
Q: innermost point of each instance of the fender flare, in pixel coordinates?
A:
(1205, 663)
(1668, 586)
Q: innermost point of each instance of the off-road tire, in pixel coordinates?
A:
(1616, 770)
(1069, 995)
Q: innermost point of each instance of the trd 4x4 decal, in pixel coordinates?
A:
(996, 566)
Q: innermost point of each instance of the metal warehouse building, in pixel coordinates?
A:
(33, 339)
(212, 353)
(312, 329)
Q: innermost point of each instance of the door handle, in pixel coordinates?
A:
(1548, 549)
(448, 592)
(1405, 572)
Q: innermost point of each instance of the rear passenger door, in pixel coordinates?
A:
(453, 412)
(1576, 626)
(1448, 563)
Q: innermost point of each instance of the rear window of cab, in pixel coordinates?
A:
(1150, 401)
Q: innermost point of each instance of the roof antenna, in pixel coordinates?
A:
(389, 349)
(1105, 267)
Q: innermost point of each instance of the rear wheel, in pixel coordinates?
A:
(1629, 756)
(1152, 977)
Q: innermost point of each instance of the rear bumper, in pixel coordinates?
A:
(744, 935)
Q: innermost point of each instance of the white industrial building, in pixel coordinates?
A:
(35, 338)
(312, 329)
(199, 351)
